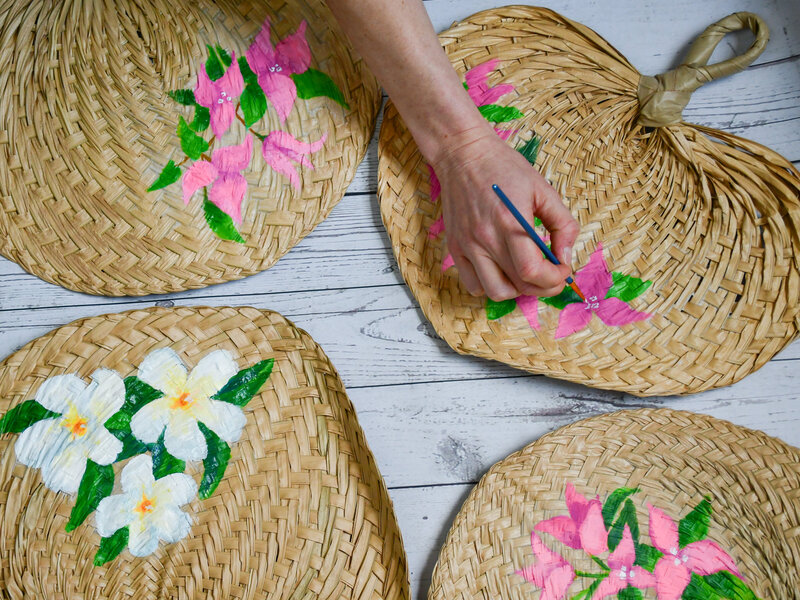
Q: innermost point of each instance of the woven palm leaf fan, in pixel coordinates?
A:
(156, 146)
(188, 453)
(645, 504)
(689, 250)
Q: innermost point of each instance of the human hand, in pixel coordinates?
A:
(493, 254)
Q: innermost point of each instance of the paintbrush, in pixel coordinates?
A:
(535, 237)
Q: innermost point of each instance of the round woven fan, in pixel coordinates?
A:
(689, 246)
(187, 453)
(638, 504)
(157, 146)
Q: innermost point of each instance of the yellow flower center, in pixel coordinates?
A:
(145, 506)
(75, 423)
(183, 401)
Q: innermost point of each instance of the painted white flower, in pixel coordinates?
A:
(187, 400)
(148, 508)
(60, 446)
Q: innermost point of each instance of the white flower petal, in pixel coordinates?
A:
(164, 370)
(211, 373)
(142, 537)
(58, 392)
(223, 418)
(38, 444)
(65, 472)
(177, 489)
(183, 437)
(137, 476)
(170, 524)
(148, 422)
(104, 396)
(114, 513)
(103, 447)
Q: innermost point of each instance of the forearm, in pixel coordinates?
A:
(397, 40)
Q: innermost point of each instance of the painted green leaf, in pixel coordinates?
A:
(185, 97)
(694, 526)
(530, 150)
(313, 83)
(169, 175)
(567, 296)
(630, 593)
(241, 388)
(137, 394)
(24, 415)
(464, 83)
(627, 516)
(499, 114)
(163, 462)
(626, 288)
(130, 445)
(202, 118)
(220, 223)
(111, 547)
(495, 310)
(214, 66)
(192, 144)
(247, 73)
(698, 589)
(224, 56)
(254, 103)
(97, 483)
(215, 463)
(615, 500)
(729, 586)
(537, 222)
(647, 556)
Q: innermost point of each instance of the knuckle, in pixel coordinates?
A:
(501, 294)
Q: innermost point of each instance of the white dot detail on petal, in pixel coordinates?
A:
(221, 101)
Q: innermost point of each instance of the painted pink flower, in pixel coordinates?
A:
(224, 172)
(478, 87)
(274, 66)
(583, 528)
(280, 149)
(623, 574)
(219, 96)
(551, 572)
(595, 280)
(674, 570)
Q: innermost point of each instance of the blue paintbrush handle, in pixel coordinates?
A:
(527, 227)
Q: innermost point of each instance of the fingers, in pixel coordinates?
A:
(495, 283)
(466, 272)
(538, 276)
(563, 228)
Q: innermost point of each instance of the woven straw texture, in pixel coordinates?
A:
(711, 219)
(673, 457)
(87, 126)
(301, 513)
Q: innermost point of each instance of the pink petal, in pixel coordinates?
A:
(276, 159)
(529, 305)
(222, 117)
(534, 574)
(671, 579)
(642, 579)
(259, 58)
(706, 557)
(615, 312)
(611, 585)
(573, 318)
(594, 538)
(199, 175)
(595, 279)
(436, 228)
(577, 504)
(284, 140)
(281, 91)
(478, 87)
(448, 262)
(293, 53)
(504, 134)
(231, 82)
(232, 159)
(205, 92)
(227, 193)
(544, 554)
(436, 186)
(663, 530)
(625, 553)
(557, 583)
(563, 529)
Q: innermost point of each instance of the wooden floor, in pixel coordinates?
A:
(436, 421)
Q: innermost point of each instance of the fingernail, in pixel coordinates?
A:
(567, 255)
